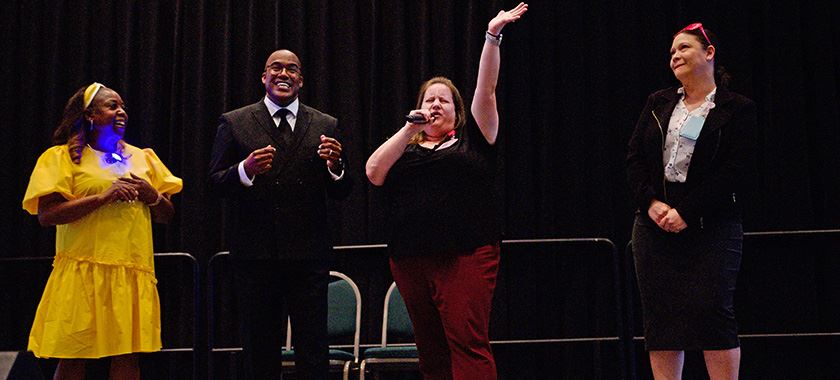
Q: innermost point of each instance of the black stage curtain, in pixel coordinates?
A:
(574, 77)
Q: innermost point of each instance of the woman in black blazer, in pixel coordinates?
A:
(686, 162)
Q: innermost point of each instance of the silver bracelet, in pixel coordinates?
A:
(492, 38)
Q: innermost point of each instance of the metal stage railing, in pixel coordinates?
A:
(793, 269)
(42, 265)
(778, 293)
(560, 249)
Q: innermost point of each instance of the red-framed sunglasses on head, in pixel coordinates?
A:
(696, 25)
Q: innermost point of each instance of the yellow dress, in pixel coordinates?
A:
(101, 298)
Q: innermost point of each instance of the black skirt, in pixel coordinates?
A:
(687, 284)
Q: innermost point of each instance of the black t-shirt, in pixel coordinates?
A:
(443, 200)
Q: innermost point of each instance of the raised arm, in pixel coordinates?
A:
(484, 102)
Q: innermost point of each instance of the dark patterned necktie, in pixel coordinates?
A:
(284, 127)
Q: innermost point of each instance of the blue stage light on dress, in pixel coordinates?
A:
(114, 158)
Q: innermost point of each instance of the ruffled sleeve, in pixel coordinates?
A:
(53, 173)
(160, 177)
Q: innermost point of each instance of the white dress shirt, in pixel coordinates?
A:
(291, 117)
(678, 148)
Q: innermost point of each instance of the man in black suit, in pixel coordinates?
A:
(277, 161)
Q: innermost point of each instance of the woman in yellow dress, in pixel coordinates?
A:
(102, 194)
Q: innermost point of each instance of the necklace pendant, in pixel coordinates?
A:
(113, 157)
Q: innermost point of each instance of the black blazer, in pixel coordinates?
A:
(284, 214)
(722, 159)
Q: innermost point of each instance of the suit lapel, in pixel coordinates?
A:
(304, 117)
(265, 122)
(285, 154)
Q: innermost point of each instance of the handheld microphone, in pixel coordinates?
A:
(416, 119)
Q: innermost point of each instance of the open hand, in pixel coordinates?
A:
(505, 17)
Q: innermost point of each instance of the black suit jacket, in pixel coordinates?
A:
(721, 163)
(284, 214)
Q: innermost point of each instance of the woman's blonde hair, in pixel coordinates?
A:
(460, 112)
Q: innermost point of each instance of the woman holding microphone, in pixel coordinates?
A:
(438, 171)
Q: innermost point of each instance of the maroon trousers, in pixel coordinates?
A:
(448, 297)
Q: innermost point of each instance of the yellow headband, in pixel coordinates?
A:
(90, 93)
